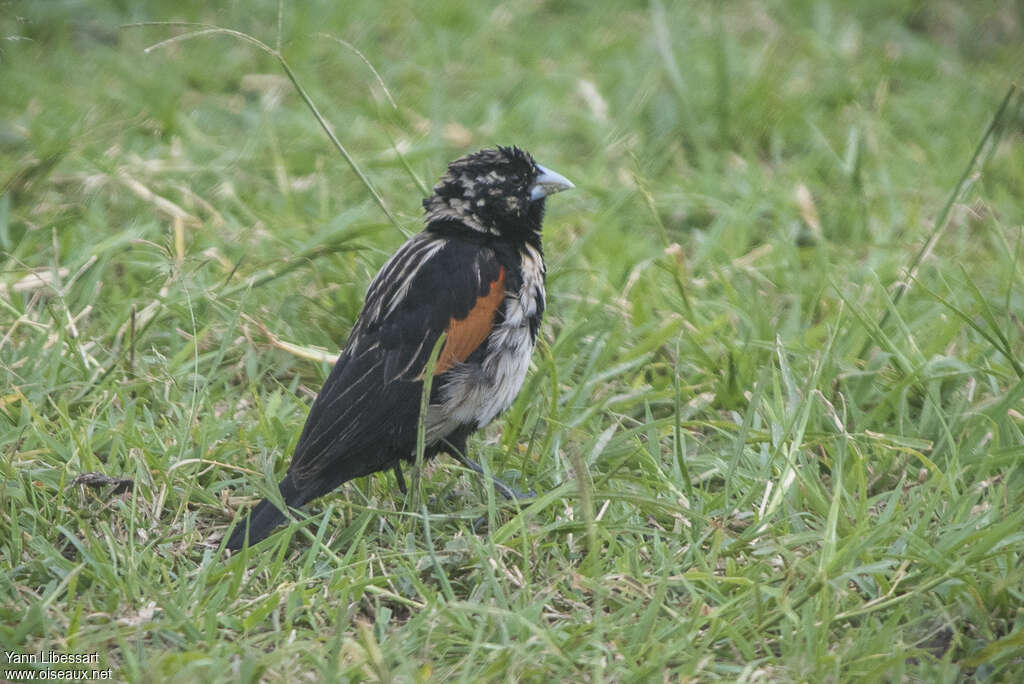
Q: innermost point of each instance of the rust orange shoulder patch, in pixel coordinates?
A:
(466, 334)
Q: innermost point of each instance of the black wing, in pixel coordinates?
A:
(365, 416)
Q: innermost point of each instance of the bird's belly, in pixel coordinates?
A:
(476, 393)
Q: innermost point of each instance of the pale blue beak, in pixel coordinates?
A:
(548, 183)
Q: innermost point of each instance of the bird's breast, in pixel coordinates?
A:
(476, 393)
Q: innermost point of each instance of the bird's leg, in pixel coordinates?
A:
(458, 452)
(400, 478)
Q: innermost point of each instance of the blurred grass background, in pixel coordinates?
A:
(745, 473)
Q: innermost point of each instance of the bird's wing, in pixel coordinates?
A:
(366, 413)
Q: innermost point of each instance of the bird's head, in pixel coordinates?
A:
(499, 191)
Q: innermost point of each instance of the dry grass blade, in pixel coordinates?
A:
(318, 354)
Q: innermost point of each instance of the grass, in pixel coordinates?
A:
(758, 456)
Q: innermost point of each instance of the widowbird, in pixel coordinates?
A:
(475, 273)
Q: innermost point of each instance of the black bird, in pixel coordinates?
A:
(476, 274)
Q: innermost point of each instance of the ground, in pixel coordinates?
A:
(775, 419)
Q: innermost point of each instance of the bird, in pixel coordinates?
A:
(475, 274)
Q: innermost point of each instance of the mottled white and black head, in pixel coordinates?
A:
(499, 191)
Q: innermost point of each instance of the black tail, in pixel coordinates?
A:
(263, 518)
